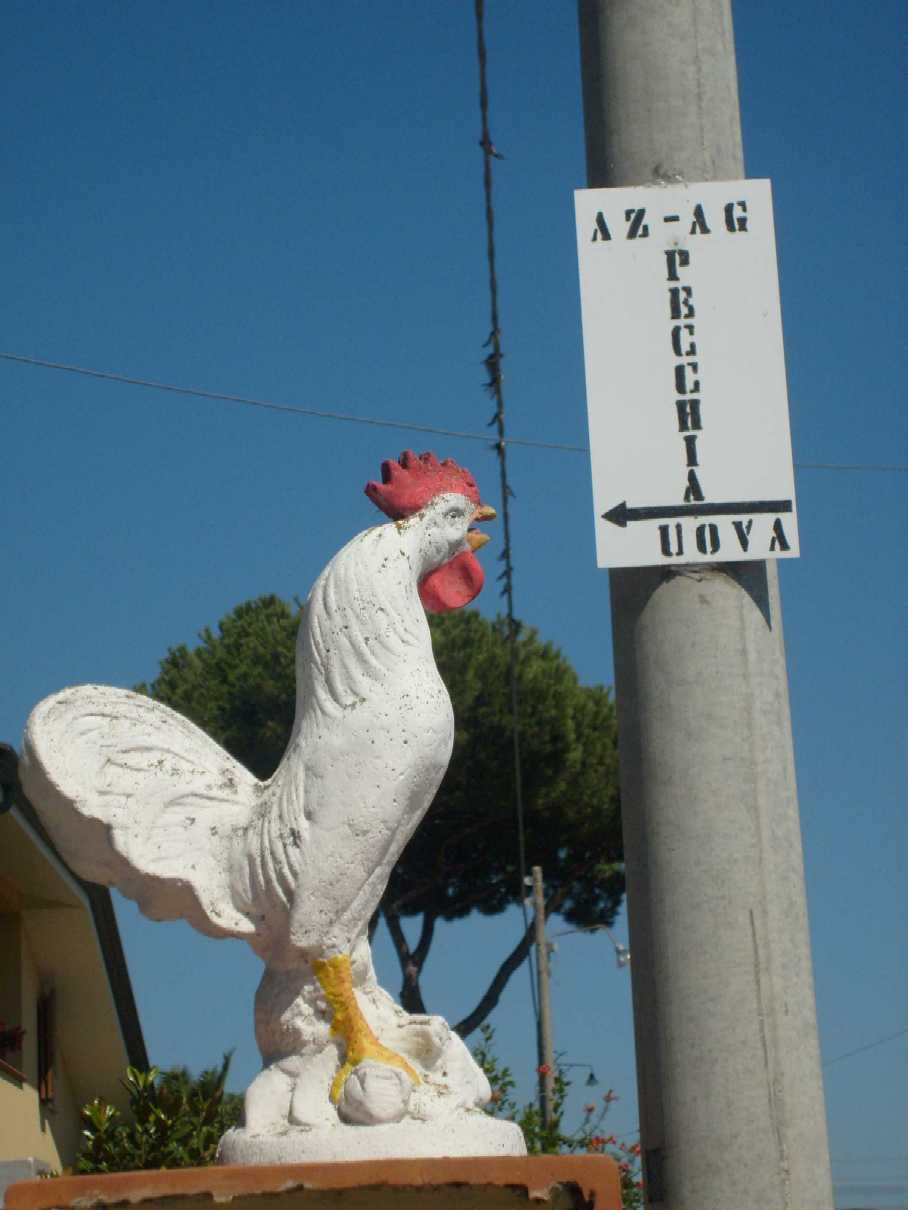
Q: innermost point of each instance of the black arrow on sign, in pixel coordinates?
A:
(621, 514)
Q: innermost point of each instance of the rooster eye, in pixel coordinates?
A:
(454, 514)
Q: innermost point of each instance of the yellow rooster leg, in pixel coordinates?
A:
(349, 1023)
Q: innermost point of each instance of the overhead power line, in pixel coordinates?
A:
(377, 421)
(852, 466)
(276, 406)
(859, 1050)
(492, 364)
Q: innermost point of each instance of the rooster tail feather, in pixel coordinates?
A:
(135, 796)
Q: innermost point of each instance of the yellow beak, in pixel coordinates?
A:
(475, 539)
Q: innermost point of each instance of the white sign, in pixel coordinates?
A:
(685, 374)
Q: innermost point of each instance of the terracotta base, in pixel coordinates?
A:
(561, 1182)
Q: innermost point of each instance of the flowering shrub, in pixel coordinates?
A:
(554, 1138)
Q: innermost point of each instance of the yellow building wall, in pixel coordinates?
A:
(28, 1128)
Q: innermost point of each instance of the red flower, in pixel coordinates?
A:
(589, 1109)
(543, 1069)
(597, 1140)
(610, 1096)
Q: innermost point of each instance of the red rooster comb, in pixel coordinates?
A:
(410, 483)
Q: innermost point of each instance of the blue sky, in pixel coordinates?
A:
(284, 202)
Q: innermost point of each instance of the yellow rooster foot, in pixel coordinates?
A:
(361, 1044)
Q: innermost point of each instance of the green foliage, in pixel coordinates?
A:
(238, 684)
(176, 1121)
(553, 1139)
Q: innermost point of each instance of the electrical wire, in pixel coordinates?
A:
(852, 466)
(269, 404)
(849, 1054)
(859, 1050)
(378, 421)
(492, 363)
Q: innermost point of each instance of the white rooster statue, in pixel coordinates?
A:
(137, 797)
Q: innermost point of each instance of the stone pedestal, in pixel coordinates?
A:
(561, 1182)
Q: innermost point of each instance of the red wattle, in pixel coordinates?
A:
(452, 585)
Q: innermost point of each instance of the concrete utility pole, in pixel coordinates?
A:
(545, 1045)
(731, 1100)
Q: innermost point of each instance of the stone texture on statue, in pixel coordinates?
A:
(137, 797)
